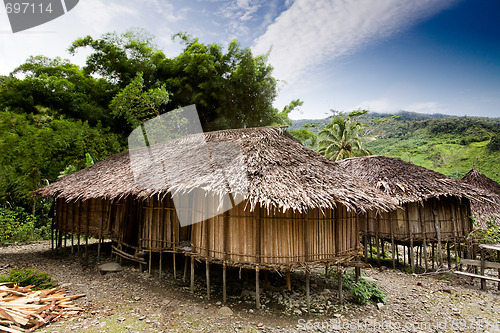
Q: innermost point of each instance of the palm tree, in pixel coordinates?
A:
(340, 139)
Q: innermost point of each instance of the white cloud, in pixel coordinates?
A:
(426, 107)
(311, 32)
(377, 105)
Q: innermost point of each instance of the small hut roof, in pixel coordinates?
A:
(483, 210)
(405, 181)
(281, 174)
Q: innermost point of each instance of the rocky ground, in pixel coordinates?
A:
(135, 301)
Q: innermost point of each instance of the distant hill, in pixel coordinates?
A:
(451, 145)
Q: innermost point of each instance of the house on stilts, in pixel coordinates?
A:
(295, 208)
(435, 209)
(485, 210)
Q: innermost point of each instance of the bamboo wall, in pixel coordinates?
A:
(159, 228)
(239, 237)
(417, 222)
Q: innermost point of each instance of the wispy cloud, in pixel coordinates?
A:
(377, 105)
(426, 107)
(311, 32)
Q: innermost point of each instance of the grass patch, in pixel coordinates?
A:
(30, 277)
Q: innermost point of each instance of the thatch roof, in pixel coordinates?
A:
(483, 210)
(280, 174)
(405, 181)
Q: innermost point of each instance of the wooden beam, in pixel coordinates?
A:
(438, 233)
(340, 273)
(224, 282)
(308, 289)
(257, 287)
(192, 275)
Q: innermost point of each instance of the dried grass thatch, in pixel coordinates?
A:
(484, 210)
(405, 181)
(280, 174)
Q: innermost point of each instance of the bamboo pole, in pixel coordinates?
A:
(207, 260)
(184, 275)
(257, 216)
(192, 274)
(339, 278)
(100, 231)
(88, 229)
(80, 208)
(224, 282)
(308, 290)
(422, 225)
(411, 254)
(159, 264)
(257, 287)
(393, 248)
(438, 233)
(288, 280)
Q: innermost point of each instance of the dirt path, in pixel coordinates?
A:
(131, 301)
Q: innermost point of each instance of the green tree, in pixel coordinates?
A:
(341, 138)
(59, 85)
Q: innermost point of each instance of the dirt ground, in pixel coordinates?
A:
(135, 301)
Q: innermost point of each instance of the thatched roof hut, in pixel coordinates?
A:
(482, 211)
(298, 208)
(436, 208)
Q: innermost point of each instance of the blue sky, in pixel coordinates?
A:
(431, 56)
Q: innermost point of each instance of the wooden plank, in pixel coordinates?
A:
(490, 247)
(487, 264)
(478, 276)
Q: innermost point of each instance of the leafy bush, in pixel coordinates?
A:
(30, 277)
(489, 234)
(18, 226)
(363, 291)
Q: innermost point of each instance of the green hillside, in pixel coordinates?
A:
(450, 145)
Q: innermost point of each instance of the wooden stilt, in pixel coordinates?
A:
(326, 270)
(377, 242)
(224, 283)
(448, 254)
(308, 289)
(88, 226)
(438, 233)
(72, 228)
(100, 231)
(365, 243)
(184, 275)
(433, 255)
(382, 243)
(257, 288)
(424, 244)
(370, 245)
(483, 281)
(404, 254)
(159, 265)
(357, 274)
(498, 259)
(339, 277)
(207, 266)
(393, 247)
(288, 280)
(397, 255)
(192, 275)
(175, 266)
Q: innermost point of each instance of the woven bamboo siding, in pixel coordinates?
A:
(159, 228)
(85, 217)
(416, 220)
(96, 217)
(241, 237)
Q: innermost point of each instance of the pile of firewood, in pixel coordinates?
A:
(25, 310)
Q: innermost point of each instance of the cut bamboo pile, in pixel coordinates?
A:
(25, 310)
